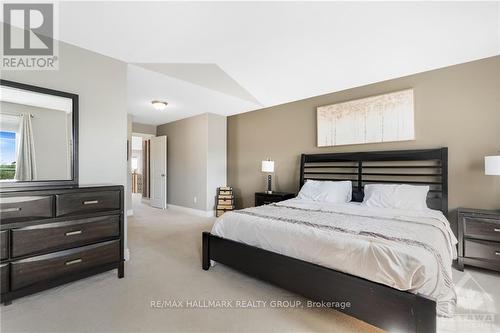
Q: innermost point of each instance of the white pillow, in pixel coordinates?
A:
(400, 196)
(326, 191)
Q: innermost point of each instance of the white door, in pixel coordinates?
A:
(158, 164)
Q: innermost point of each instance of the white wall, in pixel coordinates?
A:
(196, 160)
(100, 82)
(186, 161)
(144, 128)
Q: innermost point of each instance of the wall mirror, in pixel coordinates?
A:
(38, 136)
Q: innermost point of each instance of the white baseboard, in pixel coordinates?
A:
(192, 211)
(126, 254)
(130, 212)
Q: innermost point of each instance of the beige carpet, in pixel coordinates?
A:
(165, 265)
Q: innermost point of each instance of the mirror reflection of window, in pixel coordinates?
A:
(42, 125)
(8, 153)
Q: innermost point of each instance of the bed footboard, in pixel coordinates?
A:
(205, 251)
(374, 303)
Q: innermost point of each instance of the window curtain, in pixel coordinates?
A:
(25, 162)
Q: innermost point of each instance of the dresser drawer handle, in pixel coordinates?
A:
(73, 262)
(496, 229)
(72, 233)
(91, 202)
(497, 253)
(8, 210)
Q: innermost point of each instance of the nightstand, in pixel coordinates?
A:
(479, 238)
(263, 198)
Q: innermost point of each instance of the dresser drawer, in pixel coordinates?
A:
(75, 203)
(4, 278)
(482, 228)
(482, 250)
(62, 235)
(59, 264)
(4, 244)
(18, 209)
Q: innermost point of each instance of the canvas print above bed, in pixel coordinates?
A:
(382, 118)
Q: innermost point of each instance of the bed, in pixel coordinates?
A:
(394, 277)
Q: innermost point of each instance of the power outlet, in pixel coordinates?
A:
(195, 199)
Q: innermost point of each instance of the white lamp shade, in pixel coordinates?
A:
(492, 165)
(267, 166)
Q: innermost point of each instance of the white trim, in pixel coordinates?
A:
(192, 211)
(143, 135)
(130, 212)
(126, 254)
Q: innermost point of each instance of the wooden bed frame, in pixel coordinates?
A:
(374, 303)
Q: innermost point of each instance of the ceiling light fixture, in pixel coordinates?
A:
(159, 105)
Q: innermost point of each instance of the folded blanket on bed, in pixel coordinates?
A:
(406, 250)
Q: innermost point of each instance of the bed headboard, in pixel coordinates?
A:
(416, 167)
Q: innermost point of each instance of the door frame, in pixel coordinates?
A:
(152, 175)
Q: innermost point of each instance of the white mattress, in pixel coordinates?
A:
(406, 250)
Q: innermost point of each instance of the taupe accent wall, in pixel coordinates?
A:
(456, 107)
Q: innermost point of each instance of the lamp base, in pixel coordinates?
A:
(269, 192)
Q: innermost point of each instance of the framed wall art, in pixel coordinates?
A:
(382, 118)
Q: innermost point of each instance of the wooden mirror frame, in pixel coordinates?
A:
(21, 185)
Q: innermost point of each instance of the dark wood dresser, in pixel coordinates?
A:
(264, 198)
(479, 238)
(53, 236)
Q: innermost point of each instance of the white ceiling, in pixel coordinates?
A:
(210, 76)
(234, 57)
(184, 99)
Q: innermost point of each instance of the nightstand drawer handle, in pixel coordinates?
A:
(72, 233)
(497, 253)
(496, 229)
(8, 210)
(91, 202)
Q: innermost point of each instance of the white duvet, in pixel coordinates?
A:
(406, 250)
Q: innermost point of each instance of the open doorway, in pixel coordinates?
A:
(148, 167)
(141, 186)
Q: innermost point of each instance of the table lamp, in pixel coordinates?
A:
(492, 165)
(268, 166)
